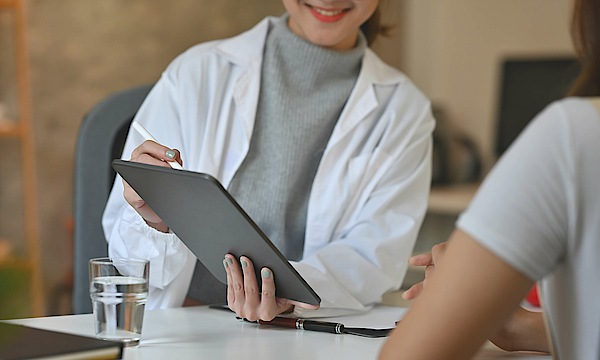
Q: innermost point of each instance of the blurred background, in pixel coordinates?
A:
(487, 65)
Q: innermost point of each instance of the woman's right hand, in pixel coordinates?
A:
(151, 153)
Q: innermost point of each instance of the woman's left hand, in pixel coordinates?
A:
(244, 297)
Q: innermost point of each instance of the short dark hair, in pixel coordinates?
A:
(373, 27)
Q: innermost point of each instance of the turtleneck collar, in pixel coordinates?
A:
(308, 65)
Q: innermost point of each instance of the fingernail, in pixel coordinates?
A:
(225, 264)
(244, 264)
(170, 154)
(229, 261)
(266, 273)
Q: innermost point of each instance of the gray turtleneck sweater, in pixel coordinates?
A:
(304, 88)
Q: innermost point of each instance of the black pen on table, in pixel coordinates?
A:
(302, 324)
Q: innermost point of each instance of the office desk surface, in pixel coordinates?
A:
(203, 333)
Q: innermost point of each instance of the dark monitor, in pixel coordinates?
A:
(528, 85)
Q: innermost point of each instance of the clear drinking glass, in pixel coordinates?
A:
(119, 288)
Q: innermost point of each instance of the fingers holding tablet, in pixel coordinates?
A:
(243, 295)
(149, 152)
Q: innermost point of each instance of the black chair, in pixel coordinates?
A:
(101, 139)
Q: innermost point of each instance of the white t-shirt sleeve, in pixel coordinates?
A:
(521, 212)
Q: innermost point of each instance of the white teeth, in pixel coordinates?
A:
(328, 13)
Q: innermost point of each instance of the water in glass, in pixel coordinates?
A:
(118, 303)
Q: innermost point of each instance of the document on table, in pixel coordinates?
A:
(380, 317)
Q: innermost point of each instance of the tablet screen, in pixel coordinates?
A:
(210, 222)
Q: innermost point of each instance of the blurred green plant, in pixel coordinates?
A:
(15, 293)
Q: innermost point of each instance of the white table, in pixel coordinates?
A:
(203, 333)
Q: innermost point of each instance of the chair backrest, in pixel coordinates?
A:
(100, 139)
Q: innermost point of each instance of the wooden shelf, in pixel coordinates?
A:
(9, 129)
(15, 262)
(7, 4)
(451, 199)
(21, 130)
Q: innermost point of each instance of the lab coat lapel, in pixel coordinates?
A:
(245, 51)
(343, 147)
(245, 95)
(362, 102)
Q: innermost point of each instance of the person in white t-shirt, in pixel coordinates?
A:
(535, 218)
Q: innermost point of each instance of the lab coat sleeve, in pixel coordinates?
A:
(127, 234)
(369, 255)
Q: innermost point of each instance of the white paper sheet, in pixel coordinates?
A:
(381, 317)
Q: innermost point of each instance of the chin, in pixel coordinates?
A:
(325, 40)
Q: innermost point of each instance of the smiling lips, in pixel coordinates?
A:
(327, 15)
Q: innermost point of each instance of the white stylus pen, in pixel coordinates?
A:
(140, 129)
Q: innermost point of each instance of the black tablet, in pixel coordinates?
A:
(211, 223)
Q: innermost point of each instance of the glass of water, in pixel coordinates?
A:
(119, 288)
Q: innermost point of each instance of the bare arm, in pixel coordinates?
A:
(469, 297)
(524, 330)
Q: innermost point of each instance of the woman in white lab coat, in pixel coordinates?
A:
(369, 193)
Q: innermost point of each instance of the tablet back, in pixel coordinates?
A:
(208, 220)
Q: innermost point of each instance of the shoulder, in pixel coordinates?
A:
(404, 109)
(576, 111)
(571, 110)
(243, 50)
(580, 121)
(403, 92)
(570, 121)
(379, 71)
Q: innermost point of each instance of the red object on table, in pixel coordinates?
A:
(533, 297)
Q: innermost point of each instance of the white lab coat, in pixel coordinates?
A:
(368, 197)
